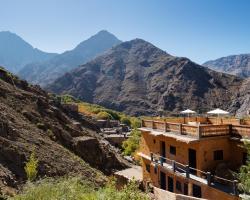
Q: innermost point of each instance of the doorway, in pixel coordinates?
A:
(163, 181)
(170, 184)
(192, 160)
(163, 149)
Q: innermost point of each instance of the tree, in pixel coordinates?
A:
(244, 174)
(31, 167)
(125, 120)
(132, 143)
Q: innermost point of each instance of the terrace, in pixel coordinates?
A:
(197, 128)
(185, 171)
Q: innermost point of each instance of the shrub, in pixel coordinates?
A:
(132, 143)
(74, 188)
(244, 175)
(125, 120)
(68, 99)
(103, 115)
(31, 167)
(135, 122)
(113, 114)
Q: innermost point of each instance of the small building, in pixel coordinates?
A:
(193, 159)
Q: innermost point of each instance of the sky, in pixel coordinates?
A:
(198, 29)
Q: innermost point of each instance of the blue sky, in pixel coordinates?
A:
(198, 29)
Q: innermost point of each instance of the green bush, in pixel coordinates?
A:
(103, 115)
(76, 189)
(31, 167)
(68, 99)
(113, 114)
(132, 143)
(135, 122)
(244, 175)
(125, 120)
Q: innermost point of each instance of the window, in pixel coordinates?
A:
(148, 168)
(173, 150)
(218, 155)
(178, 186)
(154, 141)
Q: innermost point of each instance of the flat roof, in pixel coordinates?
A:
(130, 173)
(178, 137)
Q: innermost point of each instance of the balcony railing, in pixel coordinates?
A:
(226, 185)
(200, 130)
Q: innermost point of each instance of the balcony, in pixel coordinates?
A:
(222, 184)
(198, 130)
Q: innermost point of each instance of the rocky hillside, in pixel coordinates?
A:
(16, 53)
(140, 79)
(31, 120)
(241, 101)
(46, 72)
(238, 65)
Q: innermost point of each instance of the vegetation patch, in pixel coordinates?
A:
(75, 188)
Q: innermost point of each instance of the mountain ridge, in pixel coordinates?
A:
(46, 72)
(138, 78)
(234, 64)
(15, 52)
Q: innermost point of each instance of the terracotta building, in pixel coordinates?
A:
(194, 156)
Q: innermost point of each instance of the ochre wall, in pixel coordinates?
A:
(232, 152)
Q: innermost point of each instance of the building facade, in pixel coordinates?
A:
(193, 158)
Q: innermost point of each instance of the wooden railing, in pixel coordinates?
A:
(198, 131)
(241, 130)
(215, 130)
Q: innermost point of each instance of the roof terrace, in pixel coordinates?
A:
(199, 127)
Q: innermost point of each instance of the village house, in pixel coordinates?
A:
(194, 156)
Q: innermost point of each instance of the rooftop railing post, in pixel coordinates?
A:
(142, 123)
(235, 191)
(174, 165)
(152, 157)
(165, 125)
(180, 128)
(199, 132)
(187, 171)
(161, 160)
(230, 129)
(209, 178)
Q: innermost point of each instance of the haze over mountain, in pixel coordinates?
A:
(43, 73)
(15, 52)
(138, 78)
(236, 64)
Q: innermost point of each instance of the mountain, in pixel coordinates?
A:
(43, 73)
(241, 101)
(237, 64)
(15, 52)
(33, 121)
(140, 79)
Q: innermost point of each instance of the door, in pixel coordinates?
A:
(163, 149)
(163, 180)
(170, 184)
(196, 191)
(192, 160)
